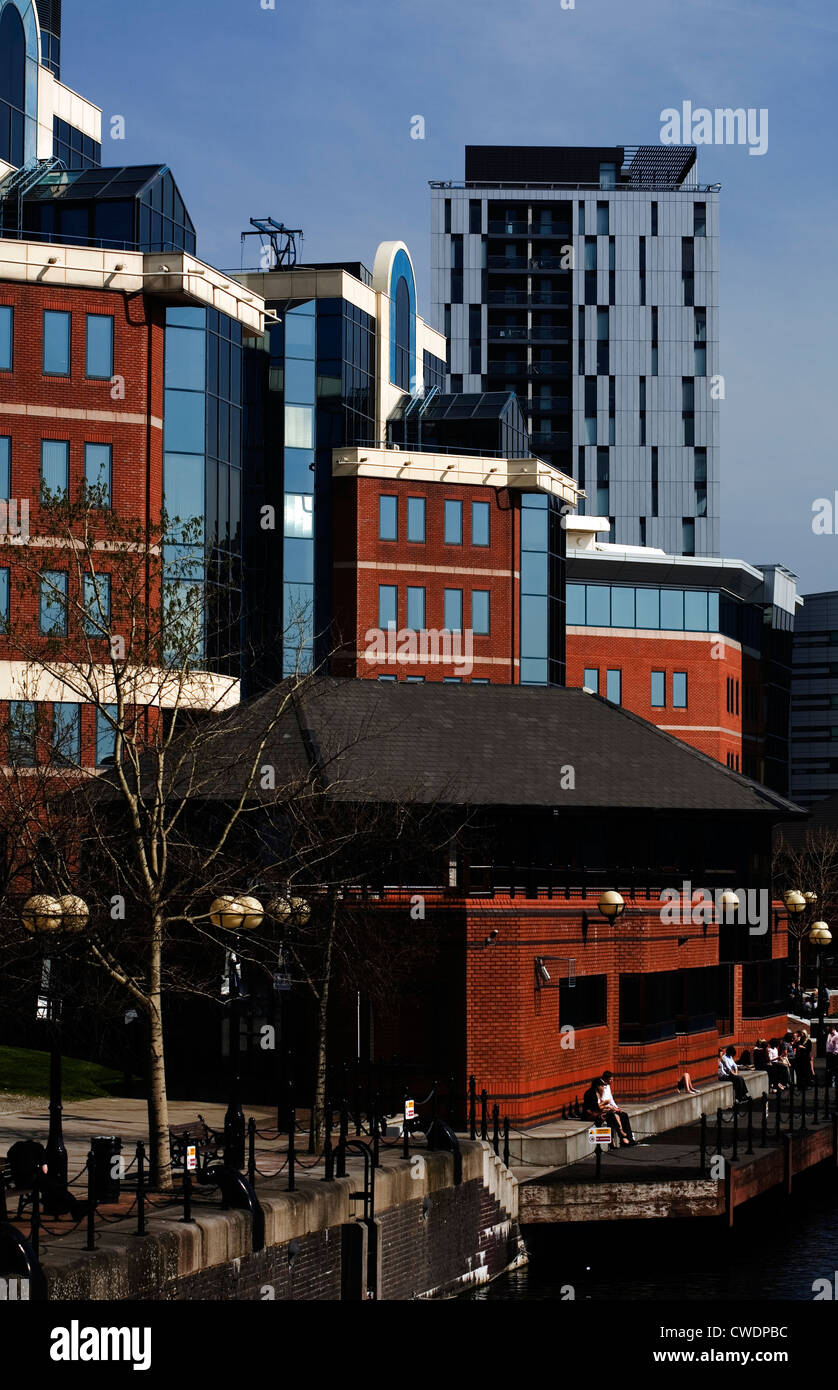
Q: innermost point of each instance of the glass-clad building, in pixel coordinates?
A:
(202, 480)
(137, 208)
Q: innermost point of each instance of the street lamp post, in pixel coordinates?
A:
(820, 937)
(45, 916)
(237, 914)
(288, 911)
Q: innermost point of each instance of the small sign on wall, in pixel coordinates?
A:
(598, 1134)
(410, 1110)
(191, 1158)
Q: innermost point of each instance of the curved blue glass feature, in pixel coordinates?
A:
(402, 322)
(12, 85)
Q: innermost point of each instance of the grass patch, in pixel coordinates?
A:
(25, 1072)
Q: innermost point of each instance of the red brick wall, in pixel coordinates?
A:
(708, 662)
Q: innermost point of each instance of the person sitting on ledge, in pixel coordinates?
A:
(728, 1071)
(611, 1112)
(686, 1087)
(761, 1055)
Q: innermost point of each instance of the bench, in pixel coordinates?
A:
(208, 1144)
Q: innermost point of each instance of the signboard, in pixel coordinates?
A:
(410, 1110)
(191, 1158)
(598, 1134)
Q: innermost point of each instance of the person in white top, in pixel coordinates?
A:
(610, 1108)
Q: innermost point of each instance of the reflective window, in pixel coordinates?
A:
(299, 426)
(299, 561)
(299, 470)
(416, 519)
(480, 612)
(533, 529)
(186, 352)
(453, 619)
(22, 724)
(52, 607)
(388, 596)
(453, 523)
(7, 320)
(658, 694)
(96, 600)
(185, 413)
(599, 606)
(480, 523)
(576, 606)
(388, 518)
(672, 609)
(299, 379)
(695, 611)
(56, 343)
(534, 671)
(679, 689)
(614, 686)
(415, 609)
(99, 347)
(622, 607)
(299, 514)
(184, 495)
(55, 468)
(5, 466)
(300, 332)
(12, 86)
(106, 735)
(533, 624)
(66, 733)
(98, 470)
(591, 679)
(534, 572)
(648, 608)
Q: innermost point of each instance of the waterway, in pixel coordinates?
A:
(777, 1249)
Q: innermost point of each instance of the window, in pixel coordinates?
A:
(387, 678)
(453, 620)
(480, 523)
(679, 690)
(658, 695)
(453, 523)
(416, 519)
(654, 210)
(99, 347)
(299, 426)
(106, 735)
(56, 359)
(299, 515)
(415, 609)
(447, 222)
(452, 680)
(655, 480)
(5, 466)
(602, 219)
(52, 608)
(581, 219)
(613, 686)
(583, 1004)
(388, 598)
(602, 483)
(641, 252)
(688, 536)
(66, 733)
(607, 177)
(699, 219)
(22, 733)
(7, 320)
(388, 518)
(413, 680)
(591, 679)
(475, 219)
(96, 601)
(98, 472)
(55, 469)
(480, 612)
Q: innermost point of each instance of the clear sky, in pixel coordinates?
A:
(303, 113)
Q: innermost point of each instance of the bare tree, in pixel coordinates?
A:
(809, 865)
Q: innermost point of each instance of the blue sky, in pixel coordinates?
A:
(303, 113)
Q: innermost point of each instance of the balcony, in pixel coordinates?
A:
(508, 228)
(537, 297)
(527, 369)
(558, 439)
(507, 333)
(530, 229)
(528, 264)
(550, 405)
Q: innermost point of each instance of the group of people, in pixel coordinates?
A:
(599, 1105)
(788, 1060)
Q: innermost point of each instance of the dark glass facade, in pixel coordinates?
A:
(137, 208)
(543, 566)
(202, 478)
(12, 86)
(77, 150)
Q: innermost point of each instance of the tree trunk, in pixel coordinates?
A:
(322, 1020)
(158, 1101)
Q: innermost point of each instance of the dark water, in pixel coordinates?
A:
(776, 1250)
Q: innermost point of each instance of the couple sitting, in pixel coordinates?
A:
(598, 1104)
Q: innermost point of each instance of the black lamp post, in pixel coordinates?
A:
(45, 916)
(820, 937)
(288, 911)
(236, 914)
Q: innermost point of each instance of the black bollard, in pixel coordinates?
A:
(251, 1151)
(791, 1109)
(484, 1122)
(777, 1117)
(35, 1227)
(506, 1140)
(750, 1147)
(734, 1153)
(598, 1164)
(764, 1135)
(815, 1100)
(328, 1151)
(496, 1128)
(141, 1188)
(472, 1108)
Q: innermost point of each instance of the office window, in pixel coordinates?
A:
(480, 523)
(299, 515)
(106, 735)
(658, 694)
(388, 678)
(607, 177)
(52, 607)
(388, 597)
(622, 606)
(602, 482)
(679, 690)
(581, 224)
(388, 518)
(475, 215)
(591, 679)
(452, 680)
(688, 536)
(480, 612)
(23, 730)
(98, 472)
(602, 219)
(413, 680)
(654, 210)
(613, 686)
(56, 359)
(415, 608)
(299, 426)
(453, 620)
(55, 468)
(416, 519)
(66, 734)
(456, 382)
(590, 410)
(655, 480)
(96, 600)
(447, 222)
(453, 523)
(99, 347)
(699, 219)
(7, 322)
(641, 252)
